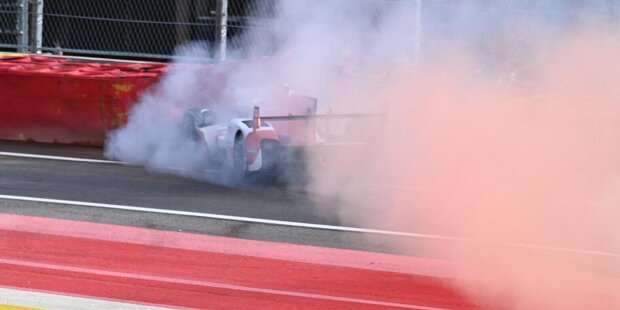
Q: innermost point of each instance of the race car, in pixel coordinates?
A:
(262, 145)
(242, 146)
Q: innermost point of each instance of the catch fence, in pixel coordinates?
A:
(153, 29)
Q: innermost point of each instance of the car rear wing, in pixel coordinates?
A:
(329, 115)
(303, 129)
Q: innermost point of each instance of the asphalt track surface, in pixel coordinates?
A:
(135, 186)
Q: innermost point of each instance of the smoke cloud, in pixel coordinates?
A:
(502, 127)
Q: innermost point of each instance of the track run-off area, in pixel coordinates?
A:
(172, 269)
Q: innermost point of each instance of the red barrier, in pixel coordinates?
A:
(66, 101)
(50, 99)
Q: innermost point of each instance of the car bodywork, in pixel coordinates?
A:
(262, 144)
(222, 140)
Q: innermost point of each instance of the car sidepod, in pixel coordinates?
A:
(263, 150)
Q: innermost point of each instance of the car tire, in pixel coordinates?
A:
(189, 126)
(240, 164)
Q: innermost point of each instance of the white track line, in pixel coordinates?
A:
(61, 158)
(227, 217)
(94, 161)
(24, 263)
(308, 225)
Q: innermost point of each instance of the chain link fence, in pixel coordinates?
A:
(137, 28)
(14, 24)
(152, 29)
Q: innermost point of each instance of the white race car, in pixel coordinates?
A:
(269, 145)
(242, 146)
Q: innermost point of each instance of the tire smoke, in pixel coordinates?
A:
(503, 129)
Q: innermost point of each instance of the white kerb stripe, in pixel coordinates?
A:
(49, 300)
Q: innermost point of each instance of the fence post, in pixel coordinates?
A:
(22, 26)
(418, 31)
(182, 18)
(221, 29)
(36, 27)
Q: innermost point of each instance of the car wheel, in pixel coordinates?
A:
(240, 162)
(189, 127)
